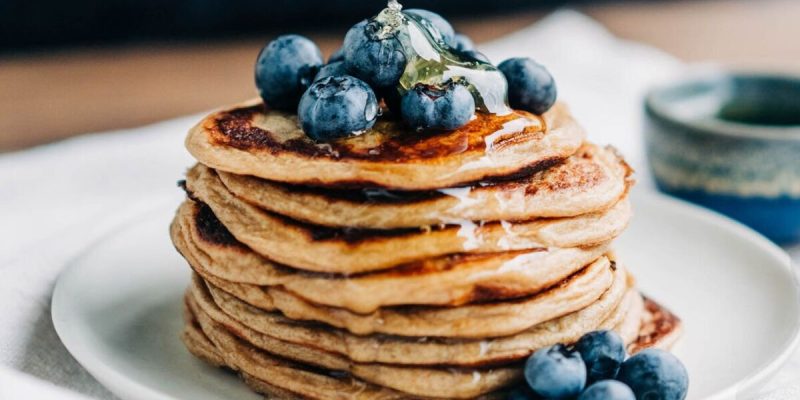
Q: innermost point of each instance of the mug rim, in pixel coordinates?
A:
(661, 110)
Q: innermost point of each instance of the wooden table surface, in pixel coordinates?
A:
(49, 96)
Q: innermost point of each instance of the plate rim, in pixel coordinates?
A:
(97, 368)
(761, 376)
(112, 379)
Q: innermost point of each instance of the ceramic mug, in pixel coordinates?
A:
(730, 142)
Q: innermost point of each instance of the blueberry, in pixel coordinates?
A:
(462, 42)
(655, 374)
(336, 68)
(373, 56)
(437, 21)
(284, 70)
(555, 372)
(607, 390)
(603, 352)
(337, 55)
(530, 86)
(427, 107)
(336, 107)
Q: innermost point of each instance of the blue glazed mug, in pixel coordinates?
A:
(730, 142)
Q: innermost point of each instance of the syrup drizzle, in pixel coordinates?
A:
(487, 160)
(430, 61)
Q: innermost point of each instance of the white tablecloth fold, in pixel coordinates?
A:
(57, 199)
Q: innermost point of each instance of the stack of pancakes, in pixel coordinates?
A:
(398, 264)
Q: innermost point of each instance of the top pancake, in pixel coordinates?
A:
(249, 139)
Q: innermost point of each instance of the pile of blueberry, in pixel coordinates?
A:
(342, 98)
(595, 368)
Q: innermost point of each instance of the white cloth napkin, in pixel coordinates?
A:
(57, 199)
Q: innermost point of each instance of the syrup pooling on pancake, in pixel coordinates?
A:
(431, 62)
(494, 141)
(251, 140)
(253, 128)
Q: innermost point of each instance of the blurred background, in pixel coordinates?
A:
(70, 67)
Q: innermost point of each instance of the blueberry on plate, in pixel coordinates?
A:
(427, 107)
(655, 374)
(374, 56)
(530, 86)
(337, 107)
(462, 42)
(336, 68)
(603, 352)
(556, 372)
(607, 390)
(285, 68)
(437, 21)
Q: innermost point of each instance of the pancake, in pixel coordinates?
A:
(293, 378)
(476, 320)
(420, 381)
(660, 328)
(593, 179)
(201, 347)
(272, 375)
(608, 312)
(629, 327)
(280, 378)
(193, 338)
(448, 280)
(348, 251)
(248, 139)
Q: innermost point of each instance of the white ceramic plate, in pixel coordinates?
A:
(118, 307)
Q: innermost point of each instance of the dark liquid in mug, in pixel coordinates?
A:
(762, 100)
(761, 114)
